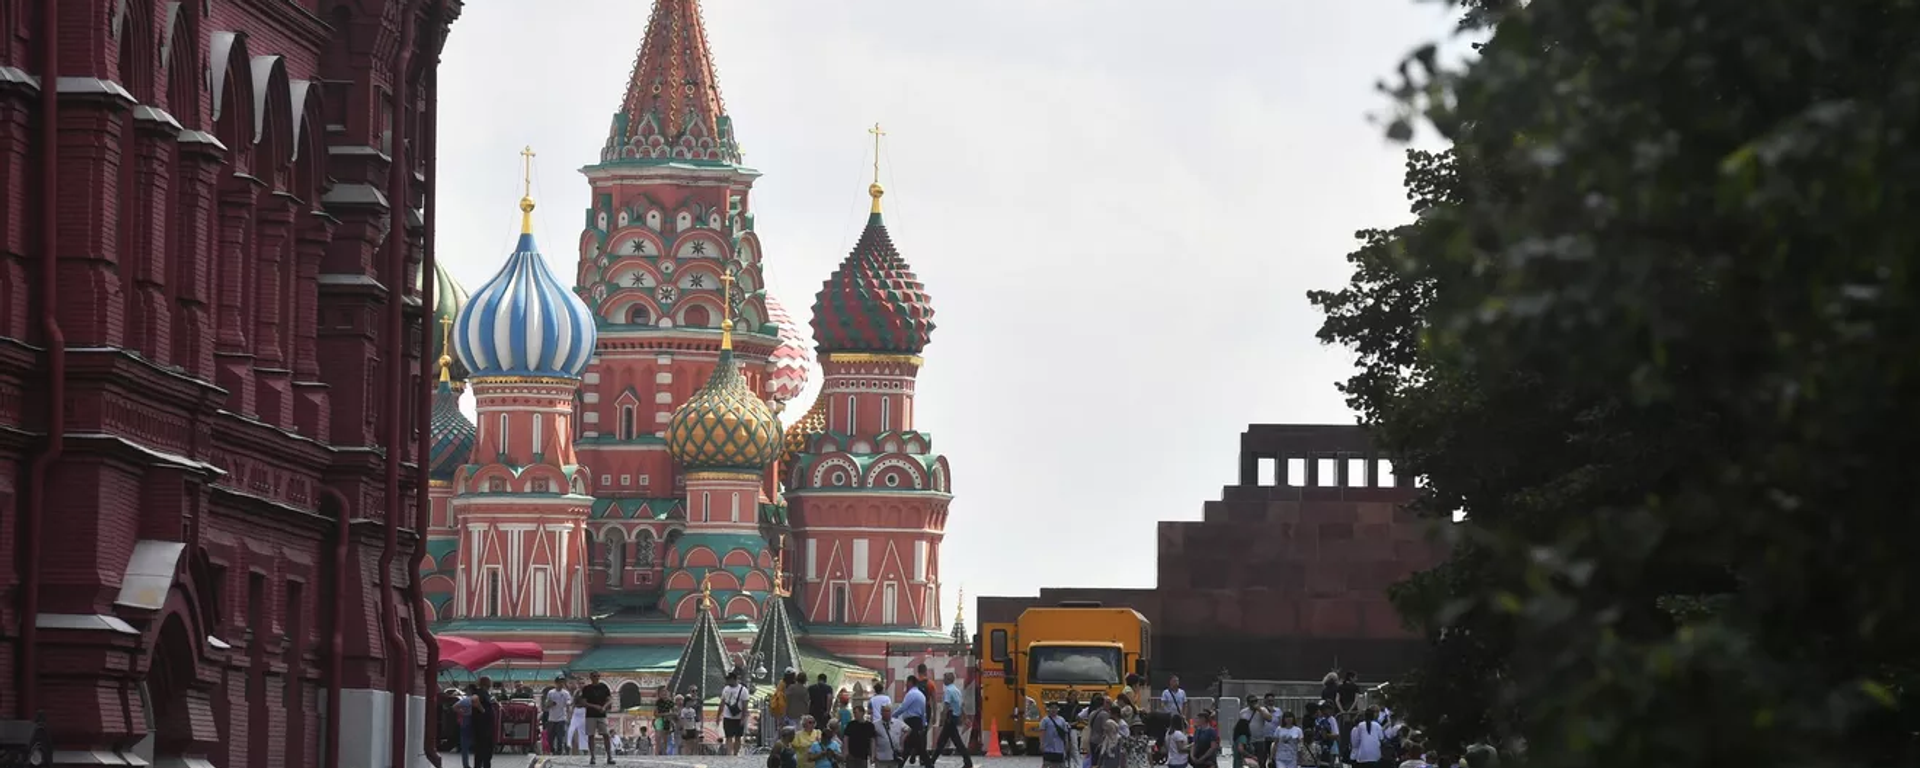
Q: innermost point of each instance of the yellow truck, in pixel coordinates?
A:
(1049, 655)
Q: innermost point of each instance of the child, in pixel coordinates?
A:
(644, 744)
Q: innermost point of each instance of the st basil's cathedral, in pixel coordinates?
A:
(628, 495)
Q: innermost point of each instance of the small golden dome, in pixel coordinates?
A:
(802, 431)
(724, 425)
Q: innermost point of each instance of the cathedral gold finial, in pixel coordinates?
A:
(960, 611)
(706, 591)
(780, 568)
(446, 350)
(726, 308)
(875, 189)
(526, 198)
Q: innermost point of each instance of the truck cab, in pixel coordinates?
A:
(1052, 655)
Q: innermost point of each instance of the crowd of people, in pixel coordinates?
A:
(821, 730)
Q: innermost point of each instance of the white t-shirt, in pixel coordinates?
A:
(557, 702)
(1174, 700)
(1286, 746)
(1366, 742)
(733, 696)
(1176, 747)
(689, 720)
(874, 704)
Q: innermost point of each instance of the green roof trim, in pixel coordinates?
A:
(627, 658)
(514, 625)
(839, 671)
(917, 634)
(634, 508)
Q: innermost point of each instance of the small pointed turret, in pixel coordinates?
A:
(703, 662)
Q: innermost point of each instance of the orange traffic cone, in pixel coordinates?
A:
(993, 738)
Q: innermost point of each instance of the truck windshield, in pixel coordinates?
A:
(1073, 664)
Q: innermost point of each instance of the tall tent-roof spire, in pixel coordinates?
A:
(672, 110)
(703, 662)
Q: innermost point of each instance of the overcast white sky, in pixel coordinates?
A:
(1117, 206)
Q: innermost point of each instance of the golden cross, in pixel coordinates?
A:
(877, 133)
(780, 568)
(446, 348)
(706, 591)
(726, 307)
(526, 156)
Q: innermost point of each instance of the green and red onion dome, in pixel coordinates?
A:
(873, 302)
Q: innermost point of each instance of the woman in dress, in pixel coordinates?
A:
(577, 730)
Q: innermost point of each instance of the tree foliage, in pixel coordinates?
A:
(1654, 332)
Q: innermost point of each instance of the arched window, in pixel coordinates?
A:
(637, 315)
(698, 317)
(643, 548)
(631, 695)
(853, 423)
(626, 422)
(886, 414)
(616, 558)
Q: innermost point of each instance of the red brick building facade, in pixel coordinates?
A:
(217, 215)
(1287, 574)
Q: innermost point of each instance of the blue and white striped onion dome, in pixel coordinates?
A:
(523, 322)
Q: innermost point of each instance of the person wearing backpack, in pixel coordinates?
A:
(733, 713)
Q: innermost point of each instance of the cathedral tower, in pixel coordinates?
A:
(670, 220)
(869, 495)
(521, 503)
(726, 438)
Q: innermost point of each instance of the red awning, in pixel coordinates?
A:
(473, 655)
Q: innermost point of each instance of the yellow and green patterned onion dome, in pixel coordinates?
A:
(802, 431)
(724, 426)
(449, 297)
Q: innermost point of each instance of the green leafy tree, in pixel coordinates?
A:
(1653, 332)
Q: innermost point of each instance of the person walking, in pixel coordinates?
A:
(733, 713)
(888, 749)
(797, 700)
(597, 697)
(463, 714)
(554, 723)
(486, 723)
(913, 710)
(952, 706)
(577, 730)
(820, 702)
(690, 724)
(861, 736)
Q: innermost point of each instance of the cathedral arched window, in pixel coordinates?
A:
(637, 315)
(698, 317)
(616, 558)
(626, 422)
(643, 548)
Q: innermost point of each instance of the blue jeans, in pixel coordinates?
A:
(466, 741)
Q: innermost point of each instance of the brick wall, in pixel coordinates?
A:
(1287, 573)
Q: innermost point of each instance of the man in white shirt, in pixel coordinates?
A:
(879, 701)
(559, 703)
(1174, 699)
(1366, 740)
(733, 714)
(890, 737)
